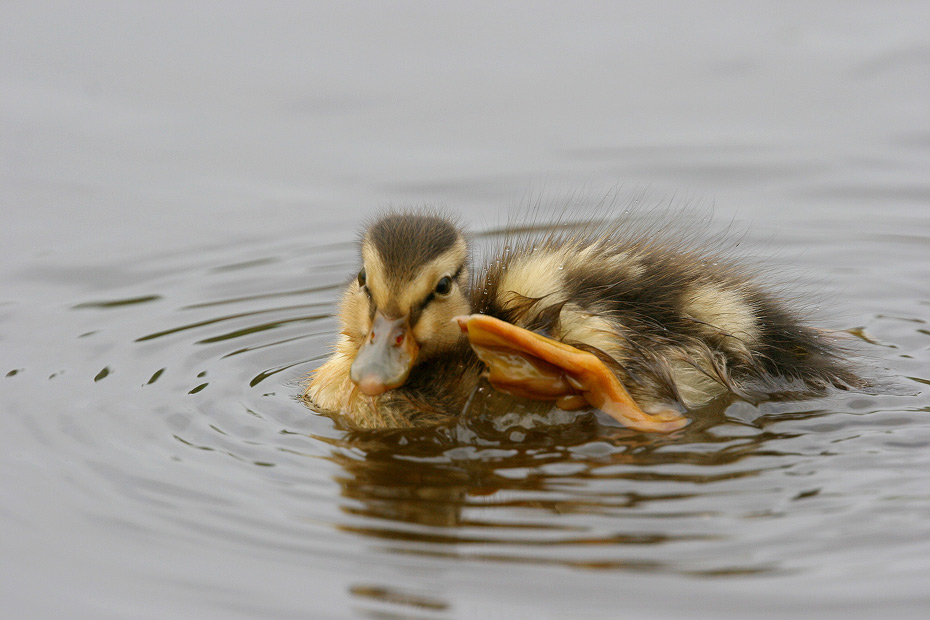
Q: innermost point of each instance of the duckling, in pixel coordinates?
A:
(605, 315)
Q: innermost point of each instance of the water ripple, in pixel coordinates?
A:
(192, 431)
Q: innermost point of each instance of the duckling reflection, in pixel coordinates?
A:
(471, 483)
(416, 492)
(607, 315)
(431, 476)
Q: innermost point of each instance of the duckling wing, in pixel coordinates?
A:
(529, 365)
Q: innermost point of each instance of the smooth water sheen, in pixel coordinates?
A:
(181, 193)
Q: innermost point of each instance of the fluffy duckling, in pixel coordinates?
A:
(616, 318)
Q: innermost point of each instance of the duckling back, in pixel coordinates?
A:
(674, 321)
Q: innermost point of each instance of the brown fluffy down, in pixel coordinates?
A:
(679, 324)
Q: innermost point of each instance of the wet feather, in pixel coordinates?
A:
(678, 323)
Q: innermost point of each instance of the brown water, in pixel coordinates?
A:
(181, 193)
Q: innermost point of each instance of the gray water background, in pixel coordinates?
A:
(181, 186)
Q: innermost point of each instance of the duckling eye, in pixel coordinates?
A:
(444, 286)
(361, 278)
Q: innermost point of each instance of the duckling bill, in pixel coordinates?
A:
(605, 316)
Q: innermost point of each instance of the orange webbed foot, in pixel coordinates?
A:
(529, 365)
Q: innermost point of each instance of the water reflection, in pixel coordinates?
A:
(385, 601)
(581, 494)
(192, 434)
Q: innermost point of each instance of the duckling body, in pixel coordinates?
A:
(675, 325)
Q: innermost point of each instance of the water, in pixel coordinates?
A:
(181, 192)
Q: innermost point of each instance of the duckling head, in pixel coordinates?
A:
(399, 310)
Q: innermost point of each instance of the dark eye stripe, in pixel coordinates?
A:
(418, 310)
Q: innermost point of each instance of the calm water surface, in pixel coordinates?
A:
(173, 254)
